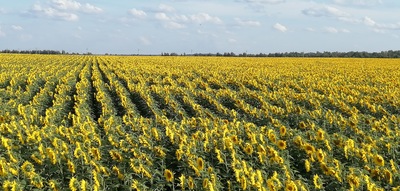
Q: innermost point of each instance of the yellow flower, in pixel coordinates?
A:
(302, 125)
(353, 181)
(388, 176)
(182, 181)
(28, 169)
(169, 176)
(317, 182)
(200, 163)
(298, 141)
(53, 185)
(271, 136)
(234, 139)
(248, 149)
(309, 148)
(51, 155)
(281, 144)
(178, 154)
(95, 153)
(243, 182)
(320, 135)
(282, 131)
(378, 160)
(191, 183)
(307, 165)
(83, 185)
(325, 169)
(290, 186)
(320, 155)
(72, 184)
(71, 166)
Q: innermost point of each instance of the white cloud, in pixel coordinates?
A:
(265, 1)
(16, 27)
(176, 21)
(162, 17)
(325, 11)
(335, 30)
(39, 11)
(380, 27)
(368, 21)
(247, 23)
(138, 13)
(62, 10)
(358, 2)
(173, 25)
(70, 5)
(65, 5)
(166, 8)
(204, 17)
(89, 8)
(279, 27)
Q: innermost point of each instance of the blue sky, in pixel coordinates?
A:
(185, 26)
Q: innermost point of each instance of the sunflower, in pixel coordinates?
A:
(325, 169)
(290, 186)
(71, 166)
(248, 149)
(72, 184)
(317, 182)
(378, 160)
(388, 176)
(182, 181)
(200, 163)
(191, 183)
(271, 136)
(307, 165)
(205, 183)
(298, 141)
(282, 131)
(234, 139)
(353, 181)
(320, 155)
(83, 185)
(53, 185)
(169, 176)
(320, 135)
(309, 148)
(281, 144)
(243, 182)
(302, 125)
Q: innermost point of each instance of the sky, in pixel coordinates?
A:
(200, 26)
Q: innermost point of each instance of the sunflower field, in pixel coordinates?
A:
(71, 122)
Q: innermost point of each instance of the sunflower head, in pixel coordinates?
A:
(281, 144)
(200, 163)
(290, 186)
(248, 149)
(282, 130)
(320, 135)
(191, 183)
(309, 148)
(320, 155)
(169, 176)
(378, 160)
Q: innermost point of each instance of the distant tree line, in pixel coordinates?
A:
(39, 52)
(351, 54)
